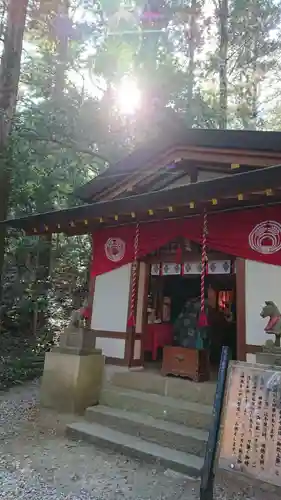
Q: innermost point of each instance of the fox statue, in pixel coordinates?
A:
(273, 327)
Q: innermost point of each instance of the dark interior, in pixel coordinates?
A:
(222, 297)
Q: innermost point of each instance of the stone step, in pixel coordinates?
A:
(135, 447)
(169, 434)
(192, 415)
(173, 387)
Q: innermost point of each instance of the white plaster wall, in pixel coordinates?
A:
(262, 282)
(137, 349)
(111, 348)
(111, 300)
(140, 297)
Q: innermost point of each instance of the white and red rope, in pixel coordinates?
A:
(203, 317)
(132, 319)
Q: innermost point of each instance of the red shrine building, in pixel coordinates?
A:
(195, 213)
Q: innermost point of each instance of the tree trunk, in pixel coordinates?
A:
(223, 53)
(255, 78)
(42, 281)
(45, 248)
(9, 82)
(62, 39)
(191, 64)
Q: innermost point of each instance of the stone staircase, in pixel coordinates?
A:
(154, 418)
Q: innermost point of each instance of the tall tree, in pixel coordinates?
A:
(222, 12)
(193, 24)
(254, 39)
(9, 82)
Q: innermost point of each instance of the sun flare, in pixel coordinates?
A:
(128, 97)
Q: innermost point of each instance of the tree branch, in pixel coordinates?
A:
(75, 147)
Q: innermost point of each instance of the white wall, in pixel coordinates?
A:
(111, 348)
(111, 300)
(262, 282)
(140, 296)
(137, 349)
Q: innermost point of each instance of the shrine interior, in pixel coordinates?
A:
(173, 307)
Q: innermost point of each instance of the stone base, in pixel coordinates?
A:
(269, 358)
(72, 379)
(78, 338)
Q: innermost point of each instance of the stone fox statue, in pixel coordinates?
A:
(273, 327)
(77, 318)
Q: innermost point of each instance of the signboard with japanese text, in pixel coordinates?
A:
(251, 422)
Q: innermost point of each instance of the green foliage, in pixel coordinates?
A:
(22, 359)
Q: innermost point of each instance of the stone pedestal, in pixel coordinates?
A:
(73, 373)
(78, 338)
(270, 355)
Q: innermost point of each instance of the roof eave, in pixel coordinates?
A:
(257, 180)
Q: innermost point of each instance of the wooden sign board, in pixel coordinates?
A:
(251, 422)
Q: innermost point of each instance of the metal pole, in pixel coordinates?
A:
(207, 476)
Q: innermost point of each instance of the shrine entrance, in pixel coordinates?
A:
(173, 302)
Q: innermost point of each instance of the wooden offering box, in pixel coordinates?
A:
(185, 362)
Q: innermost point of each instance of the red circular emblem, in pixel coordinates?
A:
(115, 249)
(265, 238)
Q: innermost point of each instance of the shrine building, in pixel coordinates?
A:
(192, 215)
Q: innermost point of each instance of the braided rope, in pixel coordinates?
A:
(132, 318)
(203, 261)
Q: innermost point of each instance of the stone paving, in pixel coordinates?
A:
(38, 463)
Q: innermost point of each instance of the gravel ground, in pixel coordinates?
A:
(38, 463)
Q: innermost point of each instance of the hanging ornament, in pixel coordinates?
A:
(203, 320)
(132, 316)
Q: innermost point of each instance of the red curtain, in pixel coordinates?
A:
(114, 247)
(251, 234)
